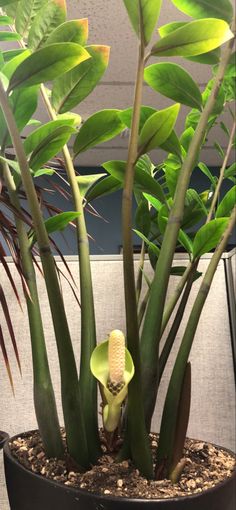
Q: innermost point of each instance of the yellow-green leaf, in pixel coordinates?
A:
(50, 16)
(196, 37)
(75, 30)
(99, 128)
(143, 15)
(209, 236)
(47, 63)
(157, 128)
(221, 9)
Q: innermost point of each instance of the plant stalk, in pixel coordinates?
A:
(153, 319)
(170, 412)
(88, 385)
(71, 398)
(44, 399)
(136, 429)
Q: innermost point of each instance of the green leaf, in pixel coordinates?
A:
(56, 223)
(196, 37)
(210, 58)
(204, 168)
(145, 113)
(10, 67)
(103, 187)
(221, 9)
(44, 171)
(142, 180)
(4, 3)
(143, 15)
(171, 27)
(47, 63)
(9, 54)
(37, 136)
(219, 150)
(69, 90)
(172, 81)
(186, 138)
(220, 100)
(25, 14)
(183, 238)
(44, 143)
(5, 20)
(99, 128)
(153, 201)
(171, 168)
(85, 182)
(172, 145)
(9, 36)
(50, 15)
(158, 128)
(10, 8)
(209, 236)
(23, 103)
(227, 204)
(142, 217)
(75, 30)
(153, 247)
(230, 171)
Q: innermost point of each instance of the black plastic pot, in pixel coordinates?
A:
(3, 437)
(29, 491)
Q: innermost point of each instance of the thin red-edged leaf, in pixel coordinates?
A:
(68, 281)
(9, 325)
(8, 272)
(6, 360)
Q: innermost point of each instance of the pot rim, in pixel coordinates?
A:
(100, 497)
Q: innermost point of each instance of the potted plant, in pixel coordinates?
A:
(54, 50)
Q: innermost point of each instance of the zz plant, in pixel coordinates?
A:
(50, 49)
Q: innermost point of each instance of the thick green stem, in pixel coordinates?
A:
(44, 399)
(88, 385)
(170, 412)
(136, 430)
(71, 398)
(153, 320)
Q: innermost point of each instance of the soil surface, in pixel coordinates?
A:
(205, 466)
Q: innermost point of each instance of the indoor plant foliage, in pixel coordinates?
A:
(52, 49)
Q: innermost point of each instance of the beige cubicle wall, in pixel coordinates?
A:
(212, 408)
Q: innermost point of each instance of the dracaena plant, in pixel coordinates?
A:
(53, 50)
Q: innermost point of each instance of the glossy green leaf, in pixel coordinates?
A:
(44, 171)
(103, 187)
(9, 54)
(210, 57)
(50, 15)
(172, 145)
(99, 128)
(196, 37)
(47, 63)
(46, 141)
(172, 81)
(171, 168)
(10, 67)
(9, 36)
(5, 20)
(227, 204)
(221, 9)
(171, 27)
(186, 138)
(85, 182)
(4, 3)
(56, 223)
(75, 30)
(158, 128)
(220, 100)
(69, 90)
(142, 180)
(23, 103)
(142, 217)
(143, 16)
(230, 171)
(145, 113)
(153, 201)
(209, 236)
(151, 246)
(204, 168)
(183, 238)
(25, 14)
